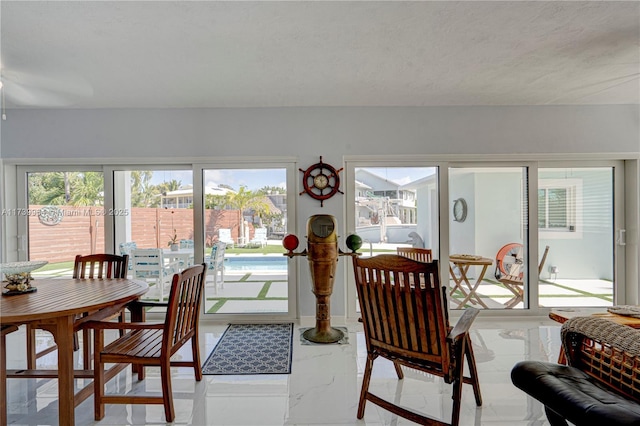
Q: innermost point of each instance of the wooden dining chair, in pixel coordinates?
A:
(416, 253)
(513, 280)
(4, 330)
(405, 320)
(153, 344)
(93, 266)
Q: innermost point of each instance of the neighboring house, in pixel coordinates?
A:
(378, 197)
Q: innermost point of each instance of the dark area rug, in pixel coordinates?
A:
(252, 349)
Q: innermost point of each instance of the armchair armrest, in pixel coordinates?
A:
(463, 325)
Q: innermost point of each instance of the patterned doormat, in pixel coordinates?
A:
(252, 349)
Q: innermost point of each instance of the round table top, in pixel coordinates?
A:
(56, 297)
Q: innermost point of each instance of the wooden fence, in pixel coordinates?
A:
(81, 230)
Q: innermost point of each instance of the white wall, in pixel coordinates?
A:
(331, 132)
(310, 132)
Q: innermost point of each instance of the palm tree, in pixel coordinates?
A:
(245, 199)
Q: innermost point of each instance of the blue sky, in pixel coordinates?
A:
(258, 178)
(251, 178)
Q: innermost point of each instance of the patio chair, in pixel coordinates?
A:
(216, 264)
(513, 279)
(125, 248)
(224, 235)
(4, 330)
(405, 320)
(259, 237)
(94, 266)
(153, 344)
(150, 264)
(186, 244)
(415, 253)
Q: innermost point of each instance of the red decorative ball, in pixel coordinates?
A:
(290, 242)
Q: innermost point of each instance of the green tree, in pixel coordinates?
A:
(245, 199)
(143, 194)
(66, 188)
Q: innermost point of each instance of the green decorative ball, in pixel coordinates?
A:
(354, 242)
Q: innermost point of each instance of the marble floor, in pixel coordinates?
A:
(322, 389)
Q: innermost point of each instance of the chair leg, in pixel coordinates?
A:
(3, 380)
(31, 347)
(195, 351)
(98, 377)
(5, 329)
(86, 349)
(365, 385)
(167, 395)
(473, 371)
(398, 370)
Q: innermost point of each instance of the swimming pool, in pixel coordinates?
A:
(256, 263)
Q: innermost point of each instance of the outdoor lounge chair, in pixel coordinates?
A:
(224, 235)
(259, 237)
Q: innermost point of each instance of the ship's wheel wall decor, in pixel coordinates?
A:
(321, 181)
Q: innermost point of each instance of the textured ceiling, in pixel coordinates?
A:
(87, 54)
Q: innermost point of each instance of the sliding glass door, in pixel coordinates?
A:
(62, 215)
(576, 208)
(245, 215)
(488, 237)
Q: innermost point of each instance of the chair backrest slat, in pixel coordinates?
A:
(403, 306)
(100, 266)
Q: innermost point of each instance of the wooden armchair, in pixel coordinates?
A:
(153, 344)
(94, 266)
(415, 253)
(405, 320)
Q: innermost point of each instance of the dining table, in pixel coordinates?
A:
(462, 263)
(182, 257)
(60, 306)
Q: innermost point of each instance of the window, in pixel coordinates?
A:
(557, 205)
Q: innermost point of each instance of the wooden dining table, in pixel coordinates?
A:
(462, 263)
(58, 306)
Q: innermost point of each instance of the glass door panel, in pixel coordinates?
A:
(65, 217)
(154, 224)
(245, 219)
(575, 220)
(488, 237)
(396, 207)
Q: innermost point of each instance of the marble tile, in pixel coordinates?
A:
(323, 388)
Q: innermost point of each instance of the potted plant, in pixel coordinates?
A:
(173, 242)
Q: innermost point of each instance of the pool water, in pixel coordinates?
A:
(262, 263)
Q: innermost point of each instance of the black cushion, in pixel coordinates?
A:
(573, 395)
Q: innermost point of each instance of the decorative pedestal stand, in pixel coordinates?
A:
(322, 253)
